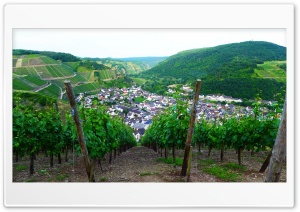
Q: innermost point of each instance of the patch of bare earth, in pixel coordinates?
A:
(138, 164)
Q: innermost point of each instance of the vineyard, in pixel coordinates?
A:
(37, 132)
(232, 149)
(88, 87)
(31, 71)
(272, 69)
(252, 133)
(52, 90)
(107, 74)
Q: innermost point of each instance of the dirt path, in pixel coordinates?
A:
(19, 62)
(139, 164)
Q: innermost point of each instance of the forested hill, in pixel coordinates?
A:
(236, 69)
(222, 60)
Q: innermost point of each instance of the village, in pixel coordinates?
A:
(138, 107)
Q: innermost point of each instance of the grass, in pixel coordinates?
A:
(43, 171)
(223, 173)
(235, 167)
(103, 179)
(21, 167)
(229, 172)
(178, 161)
(207, 162)
(145, 173)
(62, 177)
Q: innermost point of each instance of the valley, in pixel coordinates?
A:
(147, 101)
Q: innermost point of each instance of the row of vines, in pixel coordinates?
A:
(255, 132)
(45, 131)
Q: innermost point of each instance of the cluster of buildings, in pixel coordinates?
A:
(138, 107)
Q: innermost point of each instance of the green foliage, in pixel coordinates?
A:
(253, 133)
(103, 133)
(35, 130)
(232, 87)
(169, 129)
(201, 133)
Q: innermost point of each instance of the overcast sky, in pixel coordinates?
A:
(120, 43)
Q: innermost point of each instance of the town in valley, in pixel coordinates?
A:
(137, 107)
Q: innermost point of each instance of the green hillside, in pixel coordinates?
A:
(225, 69)
(225, 59)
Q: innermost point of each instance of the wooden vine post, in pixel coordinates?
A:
(80, 134)
(278, 152)
(190, 130)
(189, 165)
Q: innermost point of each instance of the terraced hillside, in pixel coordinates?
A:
(272, 70)
(42, 74)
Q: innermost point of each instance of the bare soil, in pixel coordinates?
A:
(139, 164)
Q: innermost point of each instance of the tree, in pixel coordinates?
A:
(279, 151)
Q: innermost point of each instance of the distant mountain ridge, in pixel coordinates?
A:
(151, 61)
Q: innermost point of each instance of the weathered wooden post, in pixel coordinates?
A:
(278, 152)
(191, 129)
(189, 165)
(80, 134)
